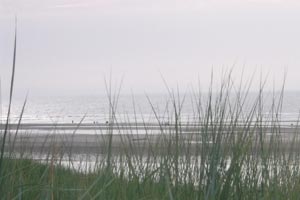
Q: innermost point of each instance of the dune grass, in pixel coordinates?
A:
(233, 150)
(222, 158)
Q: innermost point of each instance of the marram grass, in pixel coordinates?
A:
(219, 158)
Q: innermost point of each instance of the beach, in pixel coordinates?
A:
(131, 138)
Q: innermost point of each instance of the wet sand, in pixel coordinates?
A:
(133, 138)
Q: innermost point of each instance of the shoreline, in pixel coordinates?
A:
(123, 140)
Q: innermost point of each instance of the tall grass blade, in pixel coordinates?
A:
(10, 102)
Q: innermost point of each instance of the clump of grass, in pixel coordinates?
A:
(225, 152)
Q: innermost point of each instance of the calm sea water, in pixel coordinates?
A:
(65, 109)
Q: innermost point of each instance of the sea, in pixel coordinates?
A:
(138, 107)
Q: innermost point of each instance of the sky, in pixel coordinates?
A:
(68, 47)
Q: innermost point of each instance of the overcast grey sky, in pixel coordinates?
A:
(67, 46)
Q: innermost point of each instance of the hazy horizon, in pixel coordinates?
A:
(68, 47)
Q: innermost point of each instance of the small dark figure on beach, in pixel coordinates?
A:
(72, 121)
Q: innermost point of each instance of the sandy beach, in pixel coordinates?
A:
(133, 138)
